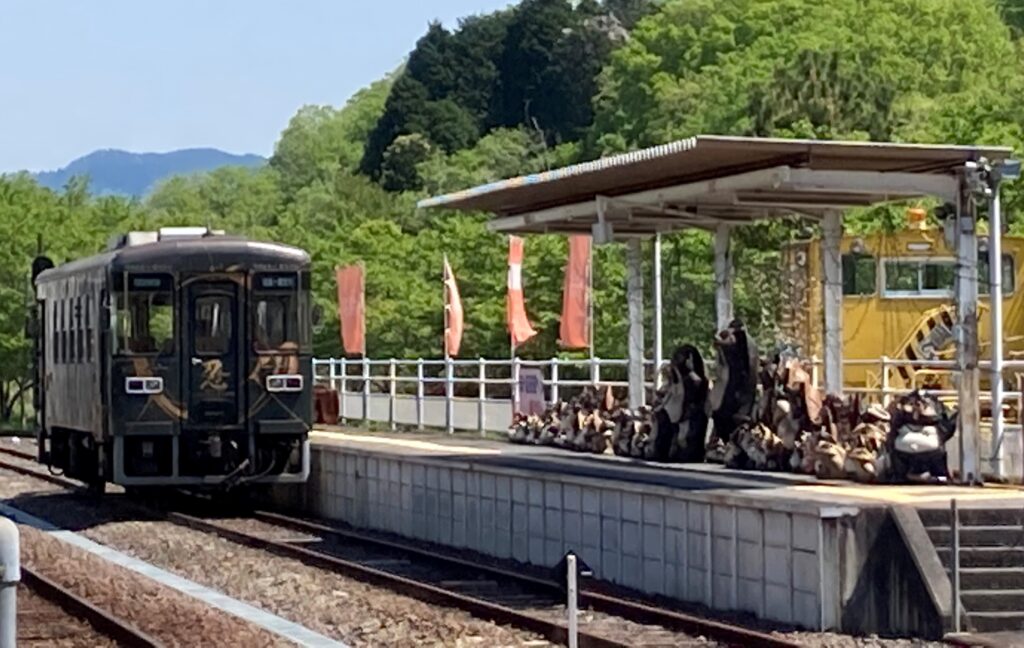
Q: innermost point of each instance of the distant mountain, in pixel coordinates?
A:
(134, 174)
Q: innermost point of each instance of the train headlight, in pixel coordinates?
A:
(285, 383)
(143, 385)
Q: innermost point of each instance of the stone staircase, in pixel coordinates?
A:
(991, 563)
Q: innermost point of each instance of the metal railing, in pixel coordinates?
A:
(488, 380)
(479, 395)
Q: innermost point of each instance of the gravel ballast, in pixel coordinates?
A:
(336, 606)
(166, 615)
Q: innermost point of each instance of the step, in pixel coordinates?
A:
(978, 536)
(939, 517)
(996, 621)
(993, 600)
(988, 578)
(1007, 557)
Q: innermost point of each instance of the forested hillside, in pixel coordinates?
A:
(548, 83)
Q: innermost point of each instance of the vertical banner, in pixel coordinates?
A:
(352, 308)
(519, 327)
(453, 320)
(574, 331)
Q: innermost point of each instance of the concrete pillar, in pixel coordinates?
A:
(659, 351)
(635, 298)
(966, 238)
(995, 265)
(10, 575)
(832, 262)
(723, 276)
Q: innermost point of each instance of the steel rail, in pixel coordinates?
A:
(105, 623)
(632, 610)
(423, 591)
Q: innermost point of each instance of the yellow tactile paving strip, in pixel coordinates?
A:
(912, 494)
(413, 444)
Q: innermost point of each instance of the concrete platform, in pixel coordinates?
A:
(786, 548)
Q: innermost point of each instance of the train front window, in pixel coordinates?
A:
(278, 313)
(144, 316)
(213, 326)
(275, 319)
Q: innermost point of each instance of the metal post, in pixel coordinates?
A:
(995, 266)
(570, 561)
(343, 409)
(10, 575)
(723, 277)
(449, 394)
(635, 297)
(366, 388)
(659, 350)
(554, 380)
(967, 335)
(954, 527)
(595, 371)
(332, 374)
(481, 408)
(886, 399)
(392, 392)
(419, 394)
(516, 366)
(831, 256)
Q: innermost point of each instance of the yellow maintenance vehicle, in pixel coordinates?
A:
(898, 304)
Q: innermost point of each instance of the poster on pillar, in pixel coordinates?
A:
(530, 392)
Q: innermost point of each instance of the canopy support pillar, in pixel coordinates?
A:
(995, 265)
(635, 298)
(659, 350)
(723, 276)
(832, 260)
(966, 238)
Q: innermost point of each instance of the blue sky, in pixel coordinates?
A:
(157, 75)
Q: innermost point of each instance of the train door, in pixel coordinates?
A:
(213, 329)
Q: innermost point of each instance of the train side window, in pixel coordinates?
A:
(919, 277)
(859, 274)
(88, 328)
(54, 331)
(79, 331)
(63, 331)
(1008, 278)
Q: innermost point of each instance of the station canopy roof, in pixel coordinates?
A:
(706, 180)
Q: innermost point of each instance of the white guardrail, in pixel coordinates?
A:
(417, 392)
(476, 395)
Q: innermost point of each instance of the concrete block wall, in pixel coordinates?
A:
(778, 559)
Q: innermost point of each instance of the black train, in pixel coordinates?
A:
(181, 357)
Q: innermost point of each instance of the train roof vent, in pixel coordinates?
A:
(187, 232)
(131, 239)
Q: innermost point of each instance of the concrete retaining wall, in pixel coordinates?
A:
(780, 559)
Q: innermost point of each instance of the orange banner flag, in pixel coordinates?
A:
(574, 332)
(453, 313)
(352, 308)
(519, 327)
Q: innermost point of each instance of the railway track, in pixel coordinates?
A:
(489, 592)
(106, 624)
